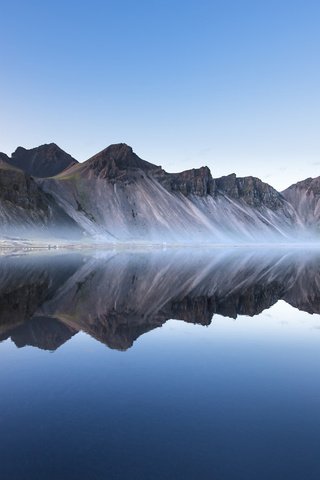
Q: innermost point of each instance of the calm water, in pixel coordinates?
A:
(227, 388)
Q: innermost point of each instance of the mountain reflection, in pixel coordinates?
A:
(116, 297)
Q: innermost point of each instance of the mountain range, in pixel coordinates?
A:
(115, 196)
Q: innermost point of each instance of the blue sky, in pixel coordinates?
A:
(229, 84)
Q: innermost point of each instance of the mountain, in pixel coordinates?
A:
(304, 196)
(26, 210)
(44, 161)
(117, 195)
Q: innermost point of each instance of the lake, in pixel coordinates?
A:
(160, 364)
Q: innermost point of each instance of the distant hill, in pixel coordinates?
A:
(44, 161)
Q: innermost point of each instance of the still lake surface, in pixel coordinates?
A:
(228, 388)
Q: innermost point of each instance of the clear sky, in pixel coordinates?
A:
(232, 84)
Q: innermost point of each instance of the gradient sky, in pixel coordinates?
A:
(232, 84)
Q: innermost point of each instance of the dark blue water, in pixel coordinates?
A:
(238, 399)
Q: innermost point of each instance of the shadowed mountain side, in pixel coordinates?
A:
(26, 282)
(43, 161)
(116, 298)
(26, 210)
(40, 332)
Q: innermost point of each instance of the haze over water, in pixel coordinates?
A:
(227, 388)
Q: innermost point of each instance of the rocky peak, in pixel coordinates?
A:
(4, 157)
(44, 161)
(197, 181)
(115, 160)
(309, 185)
(249, 189)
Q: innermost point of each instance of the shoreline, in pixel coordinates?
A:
(26, 246)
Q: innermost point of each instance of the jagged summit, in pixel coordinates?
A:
(116, 161)
(4, 157)
(197, 181)
(251, 190)
(44, 161)
(119, 156)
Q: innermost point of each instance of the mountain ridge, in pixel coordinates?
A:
(46, 160)
(117, 196)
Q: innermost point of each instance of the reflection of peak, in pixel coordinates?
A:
(41, 332)
(193, 309)
(116, 298)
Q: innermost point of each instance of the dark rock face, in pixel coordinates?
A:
(25, 206)
(4, 158)
(44, 161)
(197, 181)
(251, 190)
(21, 190)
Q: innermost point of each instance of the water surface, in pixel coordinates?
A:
(227, 388)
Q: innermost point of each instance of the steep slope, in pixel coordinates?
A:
(26, 210)
(304, 196)
(120, 196)
(43, 161)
